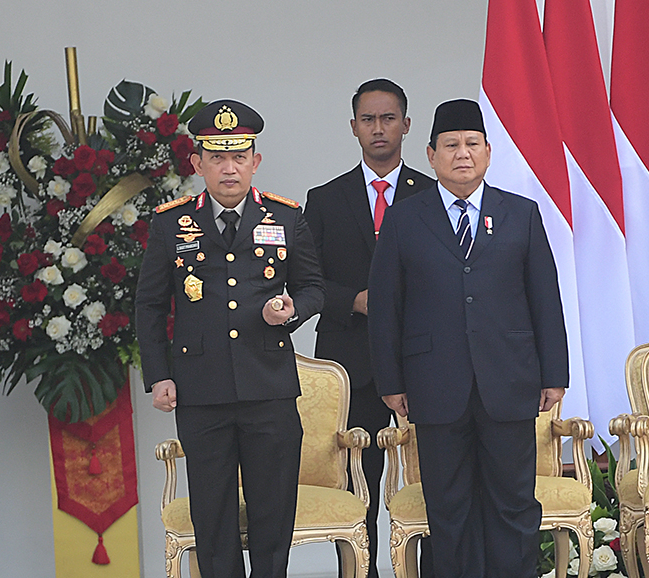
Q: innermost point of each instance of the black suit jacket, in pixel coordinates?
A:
(340, 219)
(212, 365)
(437, 320)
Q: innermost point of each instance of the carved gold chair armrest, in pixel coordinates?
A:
(640, 433)
(620, 426)
(356, 440)
(388, 439)
(579, 430)
(168, 451)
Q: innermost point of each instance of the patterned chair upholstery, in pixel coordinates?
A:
(565, 501)
(632, 484)
(326, 511)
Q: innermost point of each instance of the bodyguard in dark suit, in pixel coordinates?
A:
(468, 339)
(244, 274)
(341, 215)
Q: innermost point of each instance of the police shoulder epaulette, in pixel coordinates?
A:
(171, 204)
(280, 199)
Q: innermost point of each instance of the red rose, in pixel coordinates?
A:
(94, 245)
(83, 185)
(615, 545)
(27, 264)
(140, 232)
(75, 199)
(64, 167)
(185, 168)
(34, 292)
(5, 313)
(30, 232)
(54, 206)
(3, 142)
(44, 259)
(167, 124)
(84, 158)
(5, 227)
(5, 115)
(112, 322)
(22, 330)
(114, 271)
(160, 171)
(105, 228)
(183, 146)
(100, 168)
(148, 138)
(1, 251)
(106, 156)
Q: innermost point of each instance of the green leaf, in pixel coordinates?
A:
(191, 110)
(126, 100)
(20, 85)
(612, 465)
(599, 490)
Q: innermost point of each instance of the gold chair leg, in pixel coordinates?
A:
(411, 557)
(354, 564)
(640, 541)
(194, 572)
(629, 552)
(173, 553)
(561, 552)
(585, 553)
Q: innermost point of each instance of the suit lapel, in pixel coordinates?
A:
(434, 214)
(355, 193)
(492, 206)
(405, 184)
(252, 216)
(205, 219)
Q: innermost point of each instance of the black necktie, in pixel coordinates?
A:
(463, 231)
(229, 218)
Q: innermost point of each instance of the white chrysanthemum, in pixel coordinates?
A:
(155, 106)
(58, 188)
(94, 311)
(550, 574)
(53, 247)
(609, 527)
(4, 163)
(58, 327)
(129, 214)
(50, 275)
(171, 181)
(74, 295)
(74, 259)
(604, 559)
(6, 194)
(37, 165)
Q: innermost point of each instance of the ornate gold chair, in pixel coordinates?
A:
(632, 484)
(565, 501)
(326, 511)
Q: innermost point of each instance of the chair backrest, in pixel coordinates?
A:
(637, 378)
(548, 452)
(324, 409)
(548, 447)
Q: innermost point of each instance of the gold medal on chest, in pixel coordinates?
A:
(193, 288)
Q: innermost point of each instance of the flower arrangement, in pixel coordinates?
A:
(605, 513)
(71, 246)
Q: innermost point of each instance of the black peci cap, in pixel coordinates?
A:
(460, 114)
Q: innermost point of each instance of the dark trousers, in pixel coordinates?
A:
(478, 477)
(263, 438)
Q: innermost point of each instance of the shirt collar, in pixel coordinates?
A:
(392, 177)
(218, 208)
(474, 199)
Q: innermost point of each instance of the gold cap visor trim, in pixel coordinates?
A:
(226, 143)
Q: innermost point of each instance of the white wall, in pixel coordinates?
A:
(298, 63)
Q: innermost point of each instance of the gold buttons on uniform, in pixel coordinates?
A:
(234, 334)
(233, 304)
(230, 257)
(190, 268)
(232, 281)
(259, 251)
(184, 350)
(281, 344)
(271, 260)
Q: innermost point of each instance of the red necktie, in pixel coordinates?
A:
(381, 204)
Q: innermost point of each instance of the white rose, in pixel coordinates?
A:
(572, 554)
(74, 259)
(4, 163)
(58, 188)
(171, 181)
(58, 327)
(604, 559)
(608, 526)
(550, 574)
(6, 194)
(616, 575)
(129, 214)
(94, 311)
(74, 295)
(37, 165)
(183, 129)
(573, 567)
(53, 248)
(50, 275)
(155, 106)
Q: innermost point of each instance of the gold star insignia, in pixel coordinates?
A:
(179, 262)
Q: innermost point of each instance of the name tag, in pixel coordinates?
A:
(269, 235)
(182, 247)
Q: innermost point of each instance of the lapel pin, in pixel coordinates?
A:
(489, 224)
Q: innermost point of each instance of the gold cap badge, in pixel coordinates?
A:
(225, 119)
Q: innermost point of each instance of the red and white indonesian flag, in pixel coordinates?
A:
(548, 119)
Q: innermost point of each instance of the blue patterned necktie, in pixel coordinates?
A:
(463, 231)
